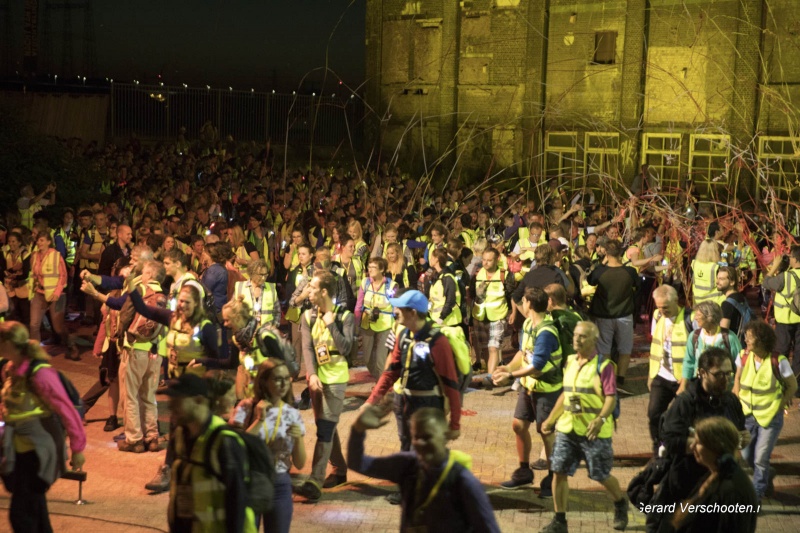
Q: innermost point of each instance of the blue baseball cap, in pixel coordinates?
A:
(411, 299)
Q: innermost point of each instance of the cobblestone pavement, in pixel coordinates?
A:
(118, 501)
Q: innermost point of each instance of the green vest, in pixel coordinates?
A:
(678, 338)
(494, 306)
(760, 391)
(583, 382)
(263, 310)
(783, 314)
(332, 365)
(182, 347)
(704, 283)
(437, 300)
(377, 300)
(553, 367)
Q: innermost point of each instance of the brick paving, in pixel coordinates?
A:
(119, 502)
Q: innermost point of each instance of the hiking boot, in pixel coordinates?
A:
(621, 514)
(546, 487)
(132, 447)
(310, 491)
(395, 498)
(522, 477)
(540, 464)
(152, 445)
(334, 480)
(160, 483)
(111, 424)
(555, 527)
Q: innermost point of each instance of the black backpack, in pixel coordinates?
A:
(261, 482)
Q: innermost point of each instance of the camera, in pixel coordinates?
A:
(375, 314)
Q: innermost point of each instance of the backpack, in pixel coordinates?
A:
(461, 353)
(616, 411)
(339, 313)
(745, 313)
(271, 344)
(69, 387)
(462, 279)
(261, 482)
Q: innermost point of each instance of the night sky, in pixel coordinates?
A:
(263, 44)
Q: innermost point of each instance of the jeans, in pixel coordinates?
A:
(280, 518)
(762, 442)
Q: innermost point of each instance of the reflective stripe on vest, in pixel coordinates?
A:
(760, 391)
(185, 345)
(378, 300)
(553, 365)
(263, 311)
(583, 382)
(45, 274)
(679, 337)
(783, 313)
(704, 283)
(20, 402)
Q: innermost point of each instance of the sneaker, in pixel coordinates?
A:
(621, 515)
(132, 447)
(111, 424)
(521, 477)
(540, 464)
(334, 480)
(160, 483)
(555, 527)
(546, 487)
(395, 498)
(310, 491)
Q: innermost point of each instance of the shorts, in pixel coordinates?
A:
(615, 331)
(496, 331)
(570, 448)
(535, 406)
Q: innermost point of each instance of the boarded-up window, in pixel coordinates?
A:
(605, 47)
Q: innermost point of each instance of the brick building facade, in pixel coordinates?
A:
(584, 90)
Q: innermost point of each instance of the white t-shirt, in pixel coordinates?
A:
(280, 444)
(665, 370)
(783, 365)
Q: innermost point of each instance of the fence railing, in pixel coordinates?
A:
(159, 112)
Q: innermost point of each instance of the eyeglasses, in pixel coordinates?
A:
(721, 373)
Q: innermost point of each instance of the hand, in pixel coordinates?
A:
(501, 377)
(788, 404)
(193, 364)
(261, 408)
(681, 387)
(649, 383)
(295, 432)
(547, 427)
(372, 417)
(656, 258)
(88, 288)
(85, 274)
(314, 384)
(77, 461)
(328, 318)
(452, 434)
(594, 428)
(512, 318)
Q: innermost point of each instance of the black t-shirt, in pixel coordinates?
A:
(730, 312)
(616, 287)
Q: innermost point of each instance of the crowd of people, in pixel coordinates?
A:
(221, 281)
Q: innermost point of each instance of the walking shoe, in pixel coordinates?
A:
(540, 464)
(310, 491)
(521, 477)
(621, 514)
(334, 480)
(556, 527)
(111, 424)
(132, 447)
(546, 487)
(160, 483)
(152, 445)
(395, 498)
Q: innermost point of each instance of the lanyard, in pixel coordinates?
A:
(271, 437)
(418, 512)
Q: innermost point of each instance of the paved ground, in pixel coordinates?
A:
(118, 501)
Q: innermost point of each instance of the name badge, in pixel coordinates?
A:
(323, 356)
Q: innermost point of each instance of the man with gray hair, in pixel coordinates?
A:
(708, 333)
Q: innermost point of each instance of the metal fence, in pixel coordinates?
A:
(159, 112)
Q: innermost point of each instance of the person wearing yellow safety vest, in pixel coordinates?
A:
(670, 331)
(491, 288)
(258, 237)
(291, 250)
(437, 489)
(211, 498)
(350, 268)
(259, 294)
(356, 233)
(140, 365)
(787, 322)
(33, 458)
(528, 241)
(18, 268)
(583, 422)
(538, 366)
(91, 250)
(765, 384)
(374, 315)
(327, 332)
(65, 239)
(46, 287)
(438, 240)
(461, 230)
(297, 294)
(444, 295)
(398, 268)
(704, 274)
(245, 251)
(30, 204)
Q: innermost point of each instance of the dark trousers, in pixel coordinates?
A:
(788, 343)
(28, 510)
(662, 392)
